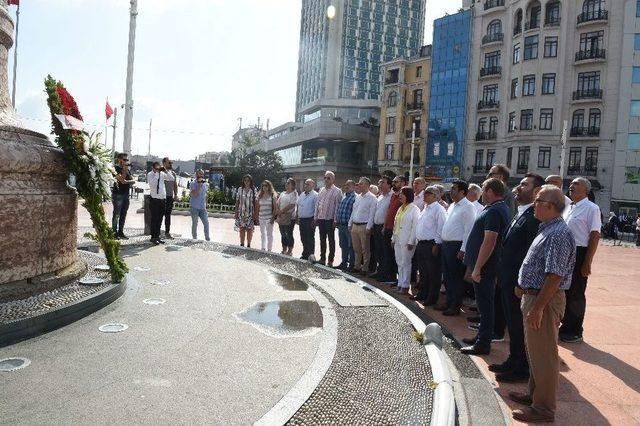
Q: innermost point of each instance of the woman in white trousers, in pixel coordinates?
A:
(404, 235)
(266, 213)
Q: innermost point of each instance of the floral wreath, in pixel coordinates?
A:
(92, 166)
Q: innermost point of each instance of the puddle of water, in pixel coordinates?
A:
(284, 317)
(287, 282)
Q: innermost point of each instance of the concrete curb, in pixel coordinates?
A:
(26, 328)
(187, 213)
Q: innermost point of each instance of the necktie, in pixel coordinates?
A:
(158, 187)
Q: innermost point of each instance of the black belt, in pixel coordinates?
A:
(359, 223)
(427, 241)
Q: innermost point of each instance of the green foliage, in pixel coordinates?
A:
(261, 166)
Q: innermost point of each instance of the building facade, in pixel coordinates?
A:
(448, 96)
(537, 64)
(404, 105)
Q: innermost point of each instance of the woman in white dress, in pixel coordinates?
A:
(286, 215)
(404, 235)
(266, 213)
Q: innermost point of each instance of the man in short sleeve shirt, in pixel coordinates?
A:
(481, 257)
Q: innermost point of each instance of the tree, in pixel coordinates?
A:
(260, 165)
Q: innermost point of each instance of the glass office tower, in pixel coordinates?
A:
(340, 57)
(447, 104)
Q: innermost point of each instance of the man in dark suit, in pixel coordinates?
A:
(520, 234)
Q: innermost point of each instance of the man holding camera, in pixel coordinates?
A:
(198, 204)
(120, 195)
(157, 178)
(171, 188)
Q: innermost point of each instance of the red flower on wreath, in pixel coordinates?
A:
(69, 106)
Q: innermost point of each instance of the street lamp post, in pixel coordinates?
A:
(413, 141)
(128, 110)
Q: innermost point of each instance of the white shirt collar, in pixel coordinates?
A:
(522, 209)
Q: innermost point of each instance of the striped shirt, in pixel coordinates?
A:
(327, 203)
(266, 207)
(345, 208)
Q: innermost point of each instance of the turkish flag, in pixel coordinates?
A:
(16, 2)
(108, 111)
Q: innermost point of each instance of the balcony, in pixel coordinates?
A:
(391, 80)
(415, 107)
(552, 23)
(489, 104)
(490, 71)
(486, 136)
(517, 30)
(492, 38)
(591, 131)
(587, 94)
(490, 4)
(593, 16)
(408, 133)
(582, 171)
(584, 55)
(522, 169)
(531, 25)
(482, 170)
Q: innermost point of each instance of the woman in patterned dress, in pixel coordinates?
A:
(246, 210)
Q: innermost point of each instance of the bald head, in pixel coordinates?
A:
(554, 180)
(549, 203)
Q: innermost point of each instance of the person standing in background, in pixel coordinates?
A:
(198, 205)
(306, 210)
(325, 216)
(246, 211)
(361, 224)
(157, 190)
(120, 196)
(171, 188)
(500, 171)
(342, 222)
(266, 204)
(285, 215)
(390, 268)
(474, 194)
(404, 237)
(382, 206)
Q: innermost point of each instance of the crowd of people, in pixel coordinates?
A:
(520, 258)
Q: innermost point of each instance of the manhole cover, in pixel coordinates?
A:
(90, 281)
(174, 247)
(141, 269)
(156, 301)
(103, 268)
(11, 364)
(114, 327)
(226, 256)
(160, 282)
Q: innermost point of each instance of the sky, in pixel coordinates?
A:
(200, 65)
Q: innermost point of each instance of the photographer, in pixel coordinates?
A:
(171, 188)
(198, 204)
(120, 195)
(157, 189)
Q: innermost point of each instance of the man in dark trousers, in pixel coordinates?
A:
(120, 195)
(519, 236)
(171, 188)
(481, 257)
(390, 269)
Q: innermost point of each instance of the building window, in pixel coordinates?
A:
(591, 42)
(479, 162)
(529, 85)
(417, 96)
(418, 72)
(516, 53)
(548, 84)
(636, 41)
(634, 110)
(552, 13)
(490, 94)
(392, 100)
(526, 119)
(575, 155)
(636, 75)
(436, 149)
(450, 149)
(531, 47)
(523, 159)
(391, 124)
(512, 122)
(388, 151)
(638, 8)
(509, 156)
(544, 157)
(594, 118)
(482, 125)
(550, 47)
(491, 158)
(494, 28)
(546, 118)
(577, 121)
(633, 143)
(591, 161)
(514, 88)
(492, 60)
(493, 125)
(592, 7)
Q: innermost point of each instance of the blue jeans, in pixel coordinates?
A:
(344, 237)
(202, 214)
(485, 294)
(120, 208)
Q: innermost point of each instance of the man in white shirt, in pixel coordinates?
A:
(171, 185)
(156, 179)
(382, 207)
(460, 218)
(419, 184)
(583, 219)
(556, 180)
(306, 207)
(429, 238)
(361, 225)
(474, 194)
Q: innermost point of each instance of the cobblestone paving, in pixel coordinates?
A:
(65, 295)
(379, 375)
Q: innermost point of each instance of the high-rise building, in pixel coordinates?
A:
(405, 100)
(538, 64)
(344, 42)
(448, 96)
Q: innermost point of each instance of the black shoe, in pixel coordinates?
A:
(470, 340)
(341, 266)
(474, 319)
(574, 338)
(497, 338)
(501, 368)
(167, 236)
(476, 350)
(513, 377)
(160, 241)
(121, 236)
(322, 261)
(417, 297)
(116, 236)
(155, 242)
(451, 312)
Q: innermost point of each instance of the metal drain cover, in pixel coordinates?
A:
(102, 268)
(160, 282)
(154, 301)
(11, 364)
(174, 247)
(90, 281)
(114, 327)
(141, 269)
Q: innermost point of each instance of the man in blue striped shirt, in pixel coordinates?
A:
(342, 222)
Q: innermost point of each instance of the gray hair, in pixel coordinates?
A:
(433, 189)
(586, 182)
(330, 173)
(475, 189)
(556, 196)
(366, 180)
(440, 189)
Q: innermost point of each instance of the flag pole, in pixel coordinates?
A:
(15, 59)
(106, 126)
(128, 112)
(113, 134)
